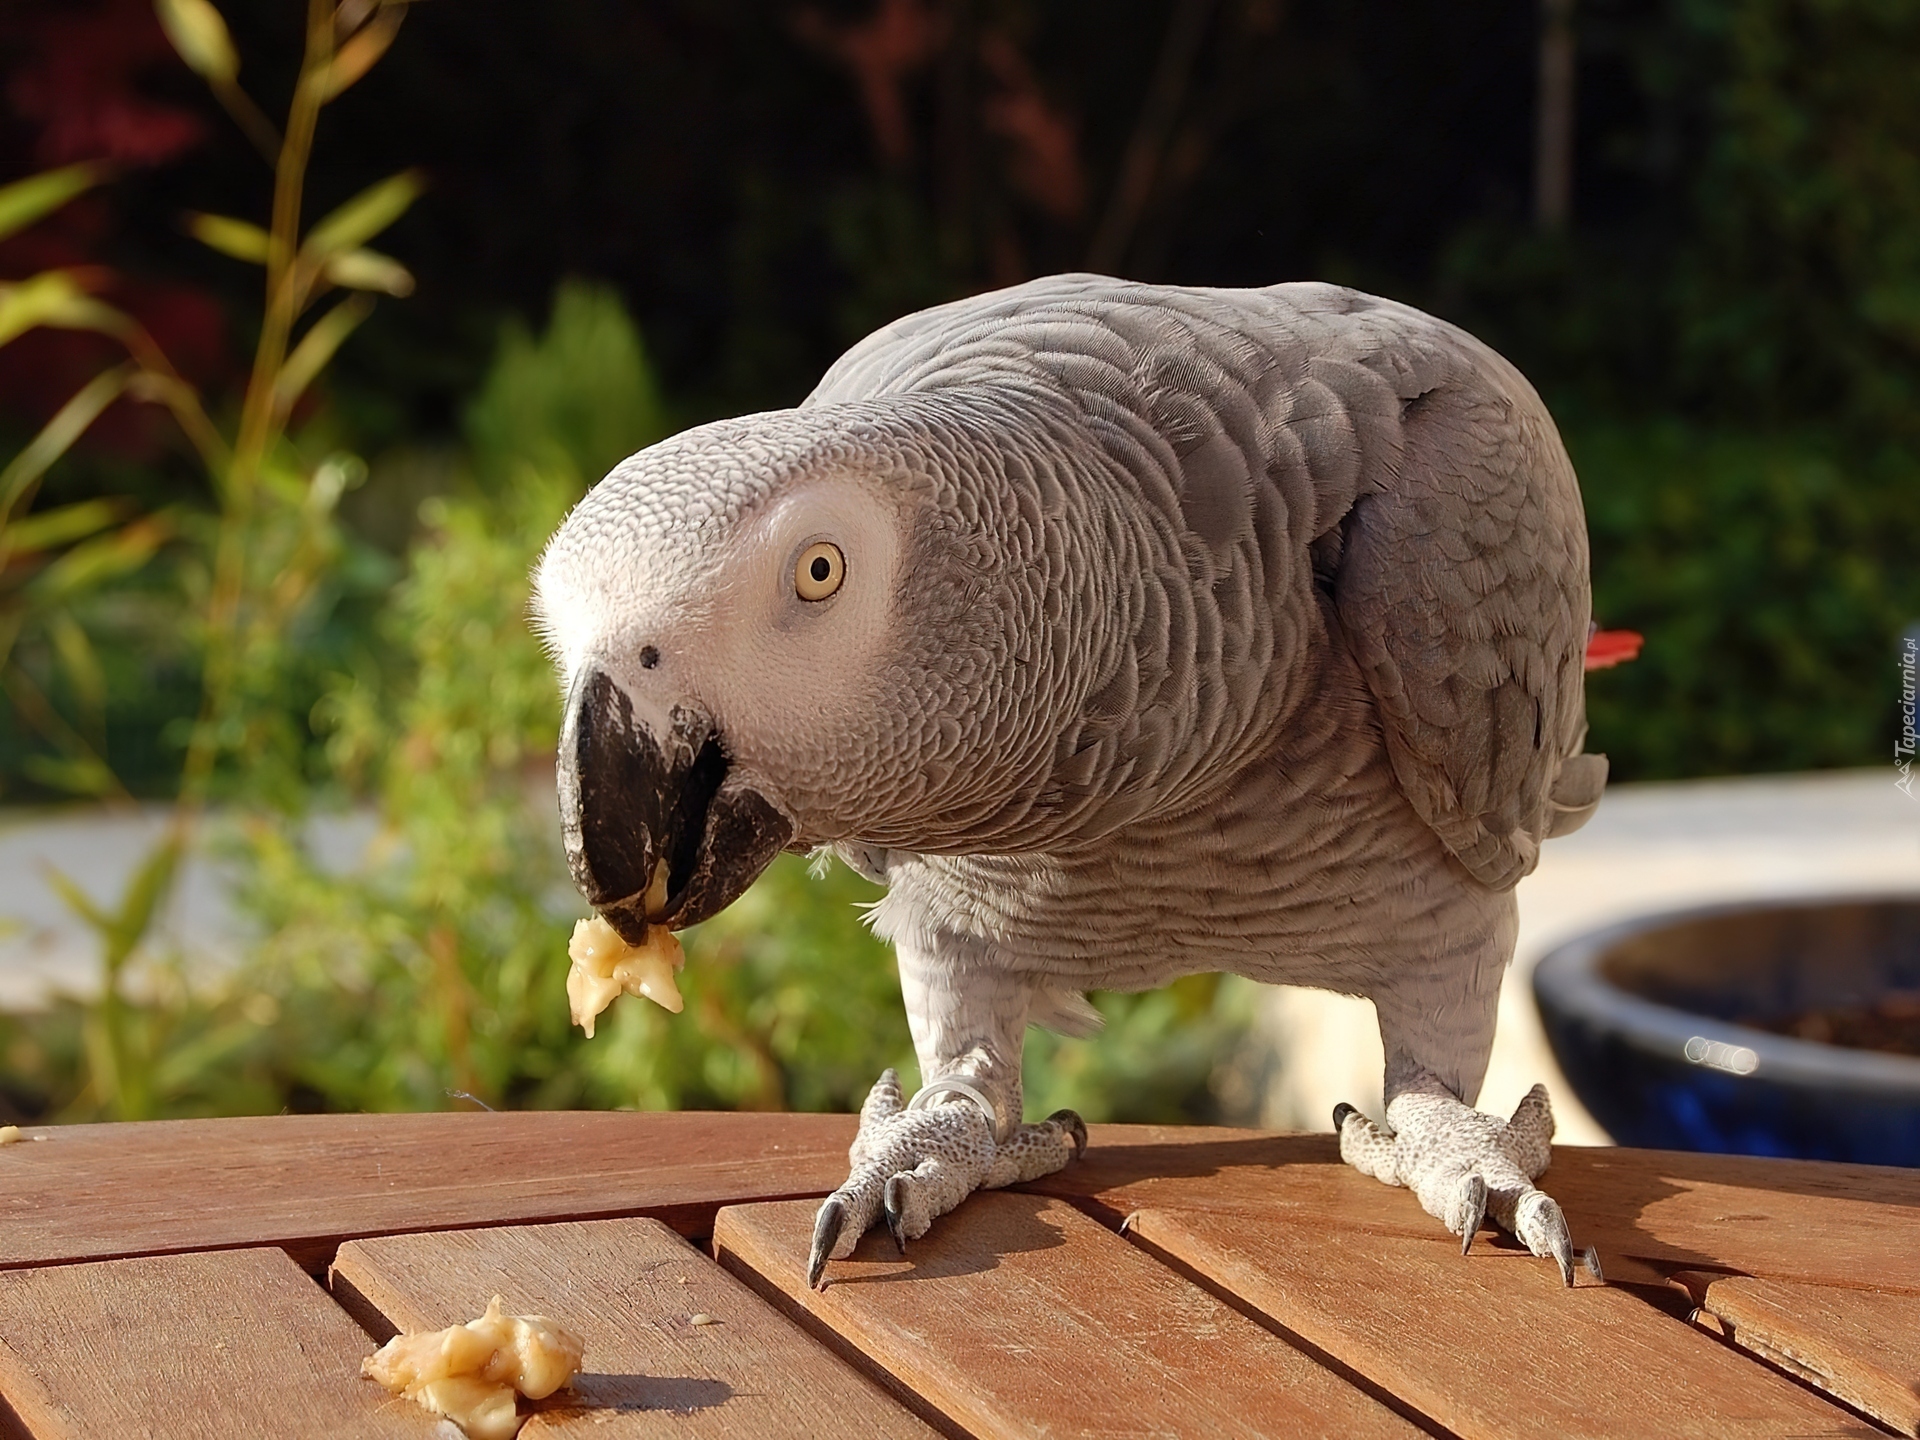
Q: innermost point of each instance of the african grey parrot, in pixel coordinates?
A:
(1123, 632)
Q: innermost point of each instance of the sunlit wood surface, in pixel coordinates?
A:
(1178, 1281)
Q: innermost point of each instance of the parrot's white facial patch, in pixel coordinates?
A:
(775, 621)
(789, 651)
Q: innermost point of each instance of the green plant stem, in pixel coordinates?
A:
(166, 384)
(283, 239)
(120, 1086)
(258, 419)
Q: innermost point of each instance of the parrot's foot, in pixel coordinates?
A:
(917, 1164)
(1465, 1166)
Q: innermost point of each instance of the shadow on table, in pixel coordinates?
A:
(682, 1393)
(999, 1224)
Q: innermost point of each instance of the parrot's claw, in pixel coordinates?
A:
(826, 1229)
(1076, 1129)
(912, 1166)
(896, 1203)
(1469, 1209)
(1538, 1221)
(1465, 1166)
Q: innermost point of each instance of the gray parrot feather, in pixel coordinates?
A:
(1415, 467)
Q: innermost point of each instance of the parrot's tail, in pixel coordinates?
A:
(1607, 648)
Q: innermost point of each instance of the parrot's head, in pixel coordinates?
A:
(781, 631)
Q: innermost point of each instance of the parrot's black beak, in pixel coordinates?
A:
(631, 798)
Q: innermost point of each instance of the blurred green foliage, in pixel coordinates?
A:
(1799, 292)
(576, 400)
(1737, 375)
(1770, 574)
(255, 563)
(60, 563)
(1729, 332)
(434, 966)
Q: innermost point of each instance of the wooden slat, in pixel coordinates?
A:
(1677, 1211)
(307, 1182)
(629, 1289)
(1741, 1212)
(1490, 1345)
(1018, 1316)
(235, 1344)
(1861, 1345)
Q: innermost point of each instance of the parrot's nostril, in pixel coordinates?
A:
(649, 657)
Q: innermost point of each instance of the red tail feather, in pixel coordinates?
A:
(1606, 648)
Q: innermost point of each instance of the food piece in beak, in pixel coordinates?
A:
(471, 1373)
(605, 964)
(636, 788)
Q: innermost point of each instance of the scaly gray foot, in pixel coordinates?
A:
(1465, 1166)
(917, 1164)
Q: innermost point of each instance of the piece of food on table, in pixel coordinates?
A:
(604, 965)
(472, 1373)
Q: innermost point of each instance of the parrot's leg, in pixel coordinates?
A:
(1463, 1165)
(914, 1163)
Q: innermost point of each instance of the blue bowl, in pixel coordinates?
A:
(1643, 1018)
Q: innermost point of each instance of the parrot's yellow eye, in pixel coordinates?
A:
(819, 571)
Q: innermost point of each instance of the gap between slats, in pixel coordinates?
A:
(1491, 1344)
(1016, 1311)
(840, 1346)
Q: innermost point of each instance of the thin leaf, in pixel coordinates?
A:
(49, 529)
(363, 51)
(363, 217)
(241, 239)
(77, 774)
(370, 270)
(128, 924)
(259, 130)
(201, 37)
(57, 298)
(84, 770)
(143, 896)
(98, 561)
(184, 401)
(25, 201)
(56, 437)
(187, 1066)
(316, 348)
(78, 658)
(350, 15)
(76, 899)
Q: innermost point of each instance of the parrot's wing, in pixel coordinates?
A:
(1441, 509)
(1461, 589)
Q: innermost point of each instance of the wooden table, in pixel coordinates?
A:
(159, 1279)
